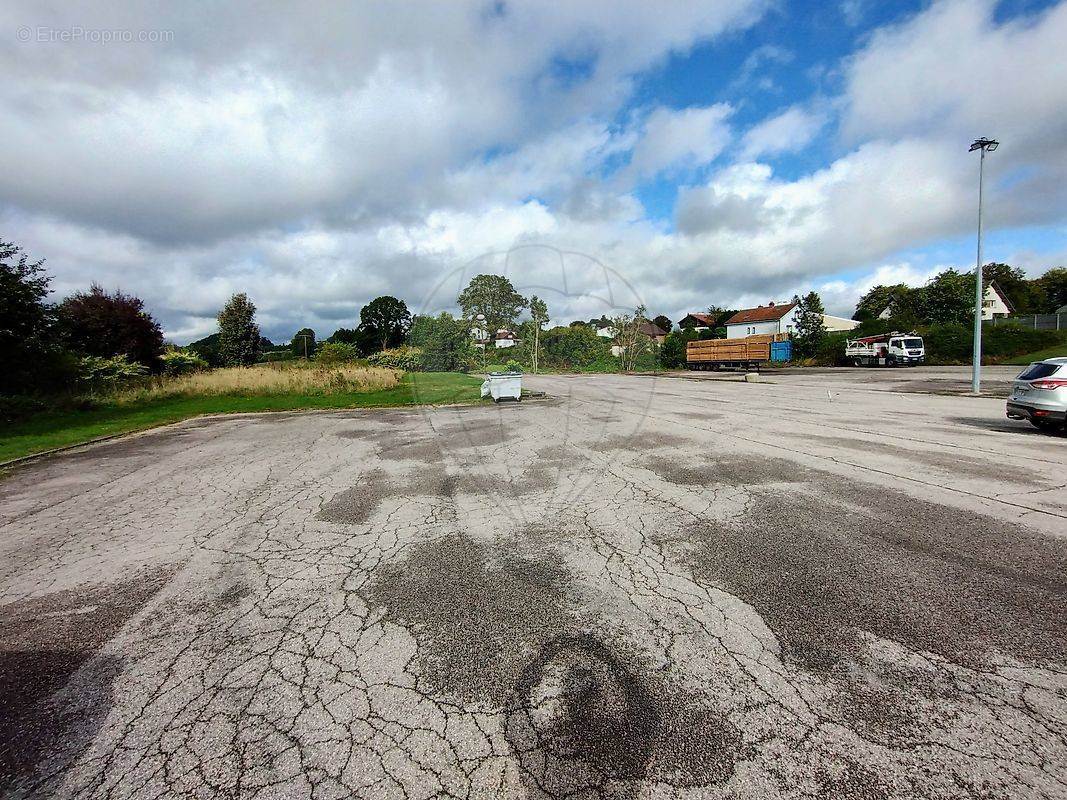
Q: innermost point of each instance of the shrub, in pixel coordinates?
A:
(513, 366)
(1006, 341)
(672, 353)
(575, 348)
(270, 356)
(106, 374)
(335, 353)
(182, 362)
(16, 407)
(406, 358)
(262, 380)
(830, 351)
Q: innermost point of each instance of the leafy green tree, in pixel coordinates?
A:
(672, 353)
(1054, 286)
(1012, 282)
(421, 328)
(539, 315)
(102, 324)
(345, 336)
(239, 340)
(303, 344)
(664, 323)
(385, 321)
(948, 298)
(447, 345)
(495, 298)
(879, 298)
(810, 329)
(630, 338)
(26, 322)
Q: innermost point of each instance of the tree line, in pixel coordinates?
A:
(948, 297)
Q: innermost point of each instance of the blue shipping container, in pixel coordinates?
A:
(782, 351)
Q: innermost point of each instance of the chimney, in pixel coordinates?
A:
(771, 304)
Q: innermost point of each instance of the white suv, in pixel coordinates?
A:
(1039, 394)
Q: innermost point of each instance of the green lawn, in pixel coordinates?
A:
(53, 429)
(1056, 351)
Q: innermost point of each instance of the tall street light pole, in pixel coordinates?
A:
(480, 322)
(983, 145)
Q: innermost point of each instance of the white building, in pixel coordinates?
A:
(506, 339)
(773, 318)
(994, 302)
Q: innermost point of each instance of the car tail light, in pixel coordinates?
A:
(1048, 383)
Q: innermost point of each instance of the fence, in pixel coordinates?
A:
(1039, 322)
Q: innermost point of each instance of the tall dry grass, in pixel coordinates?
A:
(267, 379)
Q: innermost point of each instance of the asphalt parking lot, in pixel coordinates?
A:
(822, 585)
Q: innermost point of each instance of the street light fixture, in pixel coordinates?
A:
(480, 321)
(985, 146)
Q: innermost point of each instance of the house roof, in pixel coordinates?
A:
(767, 313)
(703, 319)
(651, 329)
(1003, 297)
(502, 334)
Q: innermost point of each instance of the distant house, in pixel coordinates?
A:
(698, 322)
(771, 318)
(653, 332)
(995, 303)
(832, 323)
(506, 339)
(649, 329)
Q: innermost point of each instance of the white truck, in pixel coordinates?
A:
(885, 350)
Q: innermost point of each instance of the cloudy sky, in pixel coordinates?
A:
(600, 154)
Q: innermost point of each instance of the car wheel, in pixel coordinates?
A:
(1046, 424)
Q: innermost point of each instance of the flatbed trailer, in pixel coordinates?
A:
(748, 353)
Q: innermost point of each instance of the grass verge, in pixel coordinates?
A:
(52, 429)
(1056, 351)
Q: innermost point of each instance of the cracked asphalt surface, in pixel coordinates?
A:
(820, 586)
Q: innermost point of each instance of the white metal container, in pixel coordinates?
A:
(500, 385)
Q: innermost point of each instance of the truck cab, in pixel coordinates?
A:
(906, 350)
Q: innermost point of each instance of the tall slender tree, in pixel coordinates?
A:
(539, 314)
(811, 328)
(239, 341)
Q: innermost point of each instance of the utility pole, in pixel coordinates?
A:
(983, 145)
(305, 337)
